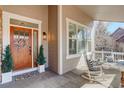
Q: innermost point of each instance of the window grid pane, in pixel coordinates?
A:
(89, 46)
(72, 31)
(81, 34)
(72, 46)
(81, 46)
(79, 39)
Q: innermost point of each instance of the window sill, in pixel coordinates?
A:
(73, 56)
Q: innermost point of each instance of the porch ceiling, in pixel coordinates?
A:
(104, 12)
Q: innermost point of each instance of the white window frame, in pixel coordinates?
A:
(89, 40)
(87, 46)
(67, 29)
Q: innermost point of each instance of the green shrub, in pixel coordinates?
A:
(7, 61)
(41, 59)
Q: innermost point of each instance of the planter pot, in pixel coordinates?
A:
(6, 77)
(41, 68)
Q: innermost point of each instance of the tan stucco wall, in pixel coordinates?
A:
(39, 12)
(53, 38)
(76, 14)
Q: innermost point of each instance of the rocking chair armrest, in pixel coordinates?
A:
(99, 66)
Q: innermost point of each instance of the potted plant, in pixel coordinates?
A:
(6, 66)
(41, 60)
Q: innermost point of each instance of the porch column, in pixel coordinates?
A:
(93, 32)
(60, 51)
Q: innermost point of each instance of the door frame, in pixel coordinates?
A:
(6, 29)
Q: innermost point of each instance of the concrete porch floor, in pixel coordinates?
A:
(50, 79)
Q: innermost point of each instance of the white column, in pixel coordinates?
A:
(60, 61)
(93, 32)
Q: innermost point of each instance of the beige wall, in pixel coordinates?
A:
(41, 13)
(76, 14)
(35, 12)
(53, 38)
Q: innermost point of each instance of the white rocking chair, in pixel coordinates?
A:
(94, 70)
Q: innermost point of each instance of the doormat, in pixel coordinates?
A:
(25, 75)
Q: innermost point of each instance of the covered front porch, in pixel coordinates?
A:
(67, 35)
(49, 79)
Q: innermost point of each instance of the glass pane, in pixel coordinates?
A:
(35, 46)
(89, 35)
(72, 46)
(21, 35)
(23, 23)
(81, 33)
(89, 46)
(16, 39)
(72, 30)
(26, 35)
(15, 34)
(81, 46)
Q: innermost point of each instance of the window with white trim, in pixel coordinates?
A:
(77, 38)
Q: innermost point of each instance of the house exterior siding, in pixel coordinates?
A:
(76, 14)
(39, 12)
(51, 26)
(53, 37)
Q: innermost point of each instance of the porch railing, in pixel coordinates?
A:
(101, 55)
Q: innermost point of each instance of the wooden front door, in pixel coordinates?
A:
(21, 47)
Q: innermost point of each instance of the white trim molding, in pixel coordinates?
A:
(6, 28)
(73, 56)
(68, 20)
(75, 22)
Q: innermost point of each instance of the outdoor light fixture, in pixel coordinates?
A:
(44, 36)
